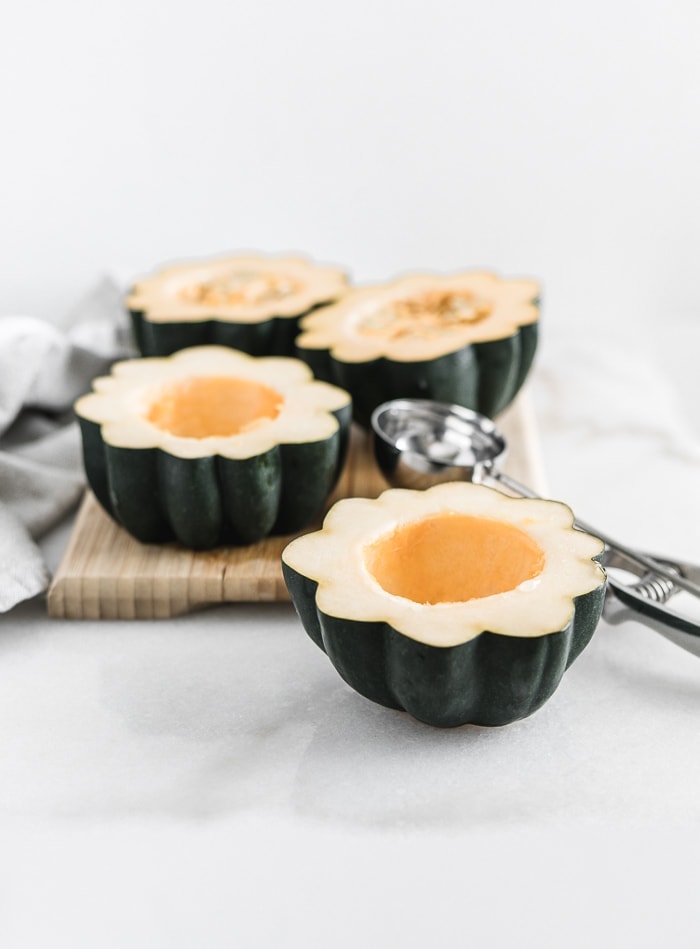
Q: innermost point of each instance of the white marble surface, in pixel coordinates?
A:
(210, 781)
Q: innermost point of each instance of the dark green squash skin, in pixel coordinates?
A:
(203, 502)
(491, 680)
(272, 337)
(485, 377)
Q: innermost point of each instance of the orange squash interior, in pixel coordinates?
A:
(203, 407)
(452, 558)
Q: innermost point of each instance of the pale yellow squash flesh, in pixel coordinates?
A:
(443, 565)
(237, 288)
(212, 400)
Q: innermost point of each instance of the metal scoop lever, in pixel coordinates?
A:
(647, 599)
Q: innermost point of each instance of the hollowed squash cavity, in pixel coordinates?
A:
(248, 302)
(466, 338)
(452, 558)
(213, 406)
(211, 446)
(424, 316)
(240, 287)
(458, 604)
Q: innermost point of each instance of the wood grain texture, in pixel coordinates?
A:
(107, 574)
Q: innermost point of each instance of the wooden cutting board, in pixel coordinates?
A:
(106, 574)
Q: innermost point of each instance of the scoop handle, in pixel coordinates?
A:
(634, 556)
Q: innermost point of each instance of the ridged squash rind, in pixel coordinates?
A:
(163, 322)
(488, 678)
(481, 367)
(205, 492)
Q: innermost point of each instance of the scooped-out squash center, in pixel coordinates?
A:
(452, 558)
(239, 288)
(426, 315)
(210, 406)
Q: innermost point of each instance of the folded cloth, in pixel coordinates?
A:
(43, 369)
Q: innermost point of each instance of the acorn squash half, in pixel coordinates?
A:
(457, 604)
(212, 446)
(466, 338)
(251, 303)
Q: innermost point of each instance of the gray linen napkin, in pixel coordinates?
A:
(43, 369)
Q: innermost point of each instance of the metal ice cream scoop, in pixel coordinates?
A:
(419, 443)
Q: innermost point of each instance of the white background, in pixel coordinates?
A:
(547, 138)
(210, 782)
